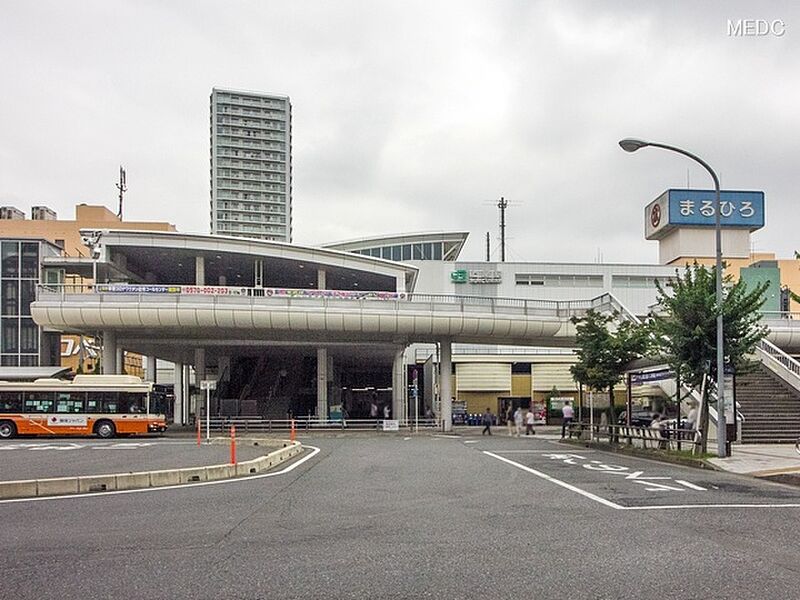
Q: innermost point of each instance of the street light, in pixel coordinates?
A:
(632, 145)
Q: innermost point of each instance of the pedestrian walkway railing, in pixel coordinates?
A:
(248, 425)
(664, 438)
(226, 295)
(780, 363)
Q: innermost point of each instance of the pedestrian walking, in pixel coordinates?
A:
(510, 419)
(386, 411)
(567, 415)
(518, 418)
(529, 419)
(487, 422)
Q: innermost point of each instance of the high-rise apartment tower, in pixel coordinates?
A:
(251, 165)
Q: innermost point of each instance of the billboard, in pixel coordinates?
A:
(697, 208)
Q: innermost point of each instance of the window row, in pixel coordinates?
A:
(73, 402)
(19, 360)
(423, 251)
(20, 259)
(637, 281)
(16, 296)
(19, 335)
(559, 280)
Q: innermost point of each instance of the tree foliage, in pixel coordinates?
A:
(686, 327)
(605, 346)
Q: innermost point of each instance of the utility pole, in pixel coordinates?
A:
(122, 189)
(502, 205)
(488, 248)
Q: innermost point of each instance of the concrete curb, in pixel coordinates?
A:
(86, 484)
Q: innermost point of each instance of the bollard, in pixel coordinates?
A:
(233, 444)
(292, 433)
(197, 420)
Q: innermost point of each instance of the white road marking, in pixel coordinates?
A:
(534, 452)
(449, 437)
(470, 441)
(616, 506)
(563, 484)
(292, 467)
(405, 439)
(690, 485)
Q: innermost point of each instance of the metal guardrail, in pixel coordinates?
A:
(245, 425)
(641, 437)
(300, 297)
(779, 362)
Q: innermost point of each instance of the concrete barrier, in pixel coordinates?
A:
(97, 483)
(18, 489)
(165, 477)
(58, 486)
(132, 481)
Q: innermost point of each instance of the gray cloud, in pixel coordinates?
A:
(409, 116)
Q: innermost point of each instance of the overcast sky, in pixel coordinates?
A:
(410, 116)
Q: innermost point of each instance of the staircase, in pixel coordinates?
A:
(771, 408)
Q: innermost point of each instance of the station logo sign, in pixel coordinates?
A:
(476, 276)
(697, 209)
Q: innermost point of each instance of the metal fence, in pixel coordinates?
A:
(245, 425)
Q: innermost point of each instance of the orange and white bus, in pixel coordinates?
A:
(103, 405)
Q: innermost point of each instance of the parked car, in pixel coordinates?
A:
(639, 418)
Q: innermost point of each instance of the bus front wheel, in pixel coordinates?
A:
(105, 429)
(7, 430)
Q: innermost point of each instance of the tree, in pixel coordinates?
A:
(686, 328)
(604, 351)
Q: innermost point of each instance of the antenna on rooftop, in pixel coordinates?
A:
(488, 248)
(122, 189)
(502, 205)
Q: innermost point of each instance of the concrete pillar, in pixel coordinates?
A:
(401, 284)
(119, 361)
(178, 416)
(187, 393)
(199, 366)
(224, 368)
(322, 279)
(152, 369)
(109, 352)
(322, 383)
(446, 385)
(258, 273)
(199, 270)
(399, 403)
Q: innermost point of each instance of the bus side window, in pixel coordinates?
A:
(70, 402)
(93, 402)
(39, 402)
(110, 404)
(10, 402)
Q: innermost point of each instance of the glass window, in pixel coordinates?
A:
(39, 402)
(386, 252)
(30, 260)
(427, 251)
(70, 402)
(10, 258)
(407, 252)
(28, 336)
(28, 295)
(131, 402)
(10, 334)
(397, 252)
(376, 252)
(102, 402)
(9, 360)
(29, 360)
(10, 402)
(10, 299)
(416, 253)
(437, 251)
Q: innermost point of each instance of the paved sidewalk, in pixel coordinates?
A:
(760, 459)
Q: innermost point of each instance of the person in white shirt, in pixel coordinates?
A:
(529, 418)
(518, 421)
(567, 414)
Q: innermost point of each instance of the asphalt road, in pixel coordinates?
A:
(64, 457)
(427, 517)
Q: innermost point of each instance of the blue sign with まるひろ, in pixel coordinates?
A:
(698, 208)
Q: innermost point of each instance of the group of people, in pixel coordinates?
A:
(515, 419)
